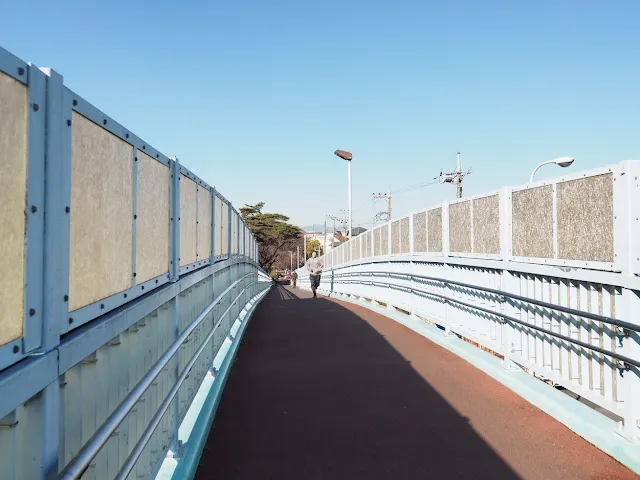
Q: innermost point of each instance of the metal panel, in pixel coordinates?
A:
(101, 214)
(585, 219)
(532, 222)
(13, 190)
(404, 235)
(187, 220)
(460, 223)
(234, 232)
(58, 200)
(366, 244)
(13, 66)
(395, 237)
(384, 240)
(377, 250)
(204, 224)
(224, 229)
(420, 232)
(434, 230)
(152, 218)
(486, 225)
(33, 311)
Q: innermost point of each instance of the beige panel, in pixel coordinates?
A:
(365, 252)
(100, 263)
(218, 227)
(384, 239)
(225, 228)
(152, 223)
(420, 232)
(460, 227)
(204, 224)
(13, 188)
(376, 242)
(486, 225)
(532, 222)
(234, 232)
(395, 237)
(585, 219)
(404, 235)
(188, 195)
(434, 230)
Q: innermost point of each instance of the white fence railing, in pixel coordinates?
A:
(545, 275)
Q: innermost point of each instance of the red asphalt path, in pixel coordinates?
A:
(323, 389)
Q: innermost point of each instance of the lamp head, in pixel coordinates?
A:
(344, 155)
(564, 161)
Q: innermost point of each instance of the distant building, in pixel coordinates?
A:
(333, 240)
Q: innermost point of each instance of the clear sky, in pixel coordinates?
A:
(254, 96)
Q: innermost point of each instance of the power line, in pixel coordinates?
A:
(417, 186)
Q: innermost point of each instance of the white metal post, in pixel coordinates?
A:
(350, 210)
(448, 311)
(508, 283)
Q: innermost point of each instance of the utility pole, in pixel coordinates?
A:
(459, 171)
(291, 253)
(387, 197)
(325, 236)
(298, 255)
(455, 177)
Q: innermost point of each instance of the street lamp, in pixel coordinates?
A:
(563, 162)
(348, 157)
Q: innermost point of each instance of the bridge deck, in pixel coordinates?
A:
(327, 390)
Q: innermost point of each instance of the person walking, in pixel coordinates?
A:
(315, 266)
(294, 278)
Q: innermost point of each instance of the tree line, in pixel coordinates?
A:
(276, 237)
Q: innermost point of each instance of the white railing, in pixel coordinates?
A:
(545, 275)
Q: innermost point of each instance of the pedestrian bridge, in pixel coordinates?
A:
(494, 336)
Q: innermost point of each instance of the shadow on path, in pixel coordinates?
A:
(317, 393)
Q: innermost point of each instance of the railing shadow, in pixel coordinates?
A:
(316, 392)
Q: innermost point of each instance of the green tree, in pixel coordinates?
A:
(273, 233)
(314, 246)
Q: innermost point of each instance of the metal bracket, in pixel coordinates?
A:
(622, 333)
(622, 366)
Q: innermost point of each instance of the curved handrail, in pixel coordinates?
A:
(133, 457)
(568, 310)
(78, 464)
(508, 318)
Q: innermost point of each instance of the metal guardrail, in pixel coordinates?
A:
(77, 466)
(621, 358)
(575, 327)
(79, 337)
(560, 308)
(148, 433)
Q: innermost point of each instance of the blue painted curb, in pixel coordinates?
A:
(188, 463)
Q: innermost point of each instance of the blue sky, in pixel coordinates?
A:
(255, 96)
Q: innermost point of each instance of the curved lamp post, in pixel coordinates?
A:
(348, 156)
(560, 161)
